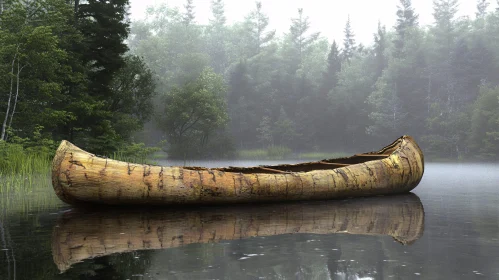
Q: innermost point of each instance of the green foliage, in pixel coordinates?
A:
(272, 152)
(135, 152)
(278, 152)
(252, 154)
(484, 137)
(285, 129)
(407, 19)
(194, 113)
(133, 89)
(65, 73)
(26, 155)
(256, 37)
(447, 132)
(348, 42)
(265, 135)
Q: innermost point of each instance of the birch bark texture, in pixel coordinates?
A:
(83, 234)
(80, 177)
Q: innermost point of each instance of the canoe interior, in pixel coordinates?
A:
(326, 164)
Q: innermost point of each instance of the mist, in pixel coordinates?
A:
(302, 77)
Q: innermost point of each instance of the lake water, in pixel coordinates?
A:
(447, 229)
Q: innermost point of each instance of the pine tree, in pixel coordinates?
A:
(189, 15)
(217, 37)
(445, 37)
(348, 42)
(218, 13)
(444, 12)
(298, 34)
(256, 34)
(242, 104)
(481, 8)
(285, 129)
(381, 61)
(406, 19)
(330, 77)
(105, 27)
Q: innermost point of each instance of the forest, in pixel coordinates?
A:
(82, 71)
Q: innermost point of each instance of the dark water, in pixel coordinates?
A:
(447, 229)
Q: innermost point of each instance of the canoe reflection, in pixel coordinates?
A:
(83, 234)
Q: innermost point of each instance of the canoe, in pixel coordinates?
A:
(79, 177)
(82, 234)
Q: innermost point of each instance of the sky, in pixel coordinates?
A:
(326, 16)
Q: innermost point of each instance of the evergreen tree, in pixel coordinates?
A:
(388, 114)
(380, 46)
(133, 90)
(256, 35)
(189, 14)
(217, 38)
(242, 104)
(444, 35)
(104, 26)
(444, 12)
(348, 42)
(218, 12)
(481, 8)
(298, 35)
(406, 20)
(330, 77)
(285, 129)
(264, 130)
(484, 136)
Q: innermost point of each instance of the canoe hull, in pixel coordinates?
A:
(81, 177)
(81, 234)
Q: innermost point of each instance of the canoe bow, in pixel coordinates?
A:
(80, 177)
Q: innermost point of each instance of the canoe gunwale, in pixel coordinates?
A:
(80, 177)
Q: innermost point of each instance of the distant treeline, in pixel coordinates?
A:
(85, 74)
(437, 83)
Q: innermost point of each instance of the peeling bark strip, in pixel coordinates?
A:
(81, 235)
(81, 177)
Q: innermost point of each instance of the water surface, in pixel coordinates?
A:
(448, 229)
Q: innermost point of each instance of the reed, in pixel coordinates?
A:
(22, 194)
(280, 152)
(253, 154)
(321, 155)
(14, 159)
(136, 153)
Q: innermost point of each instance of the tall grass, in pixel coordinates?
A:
(136, 153)
(14, 159)
(282, 152)
(25, 194)
(25, 182)
(272, 152)
(253, 154)
(321, 155)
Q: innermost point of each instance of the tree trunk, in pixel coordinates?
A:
(19, 70)
(80, 235)
(4, 125)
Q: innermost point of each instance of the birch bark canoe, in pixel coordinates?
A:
(80, 177)
(82, 234)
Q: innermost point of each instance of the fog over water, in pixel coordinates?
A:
(446, 229)
(211, 84)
